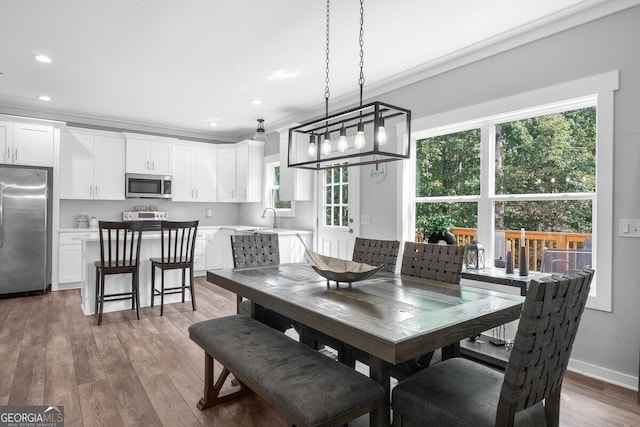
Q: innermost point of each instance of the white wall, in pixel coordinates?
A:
(607, 343)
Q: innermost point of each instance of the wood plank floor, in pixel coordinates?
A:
(148, 372)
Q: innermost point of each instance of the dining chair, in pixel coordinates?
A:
(258, 250)
(433, 261)
(119, 254)
(461, 392)
(376, 252)
(177, 245)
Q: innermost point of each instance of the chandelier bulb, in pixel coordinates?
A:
(360, 142)
(326, 144)
(311, 149)
(342, 142)
(381, 133)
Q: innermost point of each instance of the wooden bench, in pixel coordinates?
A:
(310, 388)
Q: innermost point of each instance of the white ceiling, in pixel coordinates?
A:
(176, 66)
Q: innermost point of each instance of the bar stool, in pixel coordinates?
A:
(177, 241)
(119, 254)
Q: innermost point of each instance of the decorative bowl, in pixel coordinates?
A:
(338, 269)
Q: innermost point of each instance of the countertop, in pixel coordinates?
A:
(238, 228)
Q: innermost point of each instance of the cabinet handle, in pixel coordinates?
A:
(196, 193)
(153, 165)
(97, 191)
(8, 157)
(147, 164)
(15, 154)
(91, 190)
(192, 193)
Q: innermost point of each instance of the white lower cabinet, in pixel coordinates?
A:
(70, 257)
(219, 249)
(200, 252)
(291, 248)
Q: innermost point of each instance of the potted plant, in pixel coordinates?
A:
(435, 229)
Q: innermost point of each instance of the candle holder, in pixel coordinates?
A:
(524, 264)
(509, 269)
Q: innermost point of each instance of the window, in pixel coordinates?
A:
(272, 196)
(541, 161)
(336, 196)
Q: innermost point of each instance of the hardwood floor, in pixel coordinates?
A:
(148, 372)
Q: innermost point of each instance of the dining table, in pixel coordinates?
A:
(391, 317)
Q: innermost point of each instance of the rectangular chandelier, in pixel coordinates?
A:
(369, 134)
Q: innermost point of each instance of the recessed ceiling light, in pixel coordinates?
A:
(282, 75)
(42, 58)
(213, 124)
(256, 101)
(44, 98)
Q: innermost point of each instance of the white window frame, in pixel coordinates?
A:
(599, 89)
(270, 162)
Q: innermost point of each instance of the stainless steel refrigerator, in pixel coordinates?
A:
(23, 230)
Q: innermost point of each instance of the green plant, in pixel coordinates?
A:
(435, 224)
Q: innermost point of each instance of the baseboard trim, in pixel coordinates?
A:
(603, 374)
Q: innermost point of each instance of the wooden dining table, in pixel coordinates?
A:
(392, 317)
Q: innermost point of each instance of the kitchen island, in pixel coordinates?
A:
(150, 248)
(213, 251)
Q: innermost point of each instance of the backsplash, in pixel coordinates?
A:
(221, 213)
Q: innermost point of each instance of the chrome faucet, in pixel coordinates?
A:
(275, 217)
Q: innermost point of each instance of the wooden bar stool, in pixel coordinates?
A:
(119, 254)
(178, 240)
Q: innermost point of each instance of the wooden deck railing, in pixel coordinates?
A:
(536, 242)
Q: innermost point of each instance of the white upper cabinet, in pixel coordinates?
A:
(92, 165)
(147, 154)
(194, 173)
(295, 184)
(249, 171)
(26, 144)
(226, 173)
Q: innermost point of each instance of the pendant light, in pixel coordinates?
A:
(370, 133)
(260, 135)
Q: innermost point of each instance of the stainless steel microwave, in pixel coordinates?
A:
(148, 186)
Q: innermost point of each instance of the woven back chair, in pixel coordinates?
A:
(461, 392)
(376, 252)
(433, 261)
(258, 250)
(255, 250)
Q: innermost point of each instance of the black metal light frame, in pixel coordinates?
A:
(370, 116)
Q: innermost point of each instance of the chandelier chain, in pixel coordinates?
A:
(326, 89)
(361, 42)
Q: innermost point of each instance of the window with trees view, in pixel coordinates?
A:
(272, 190)
(540, 175)
(336, 196)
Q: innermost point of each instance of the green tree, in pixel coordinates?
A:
(553, 153)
